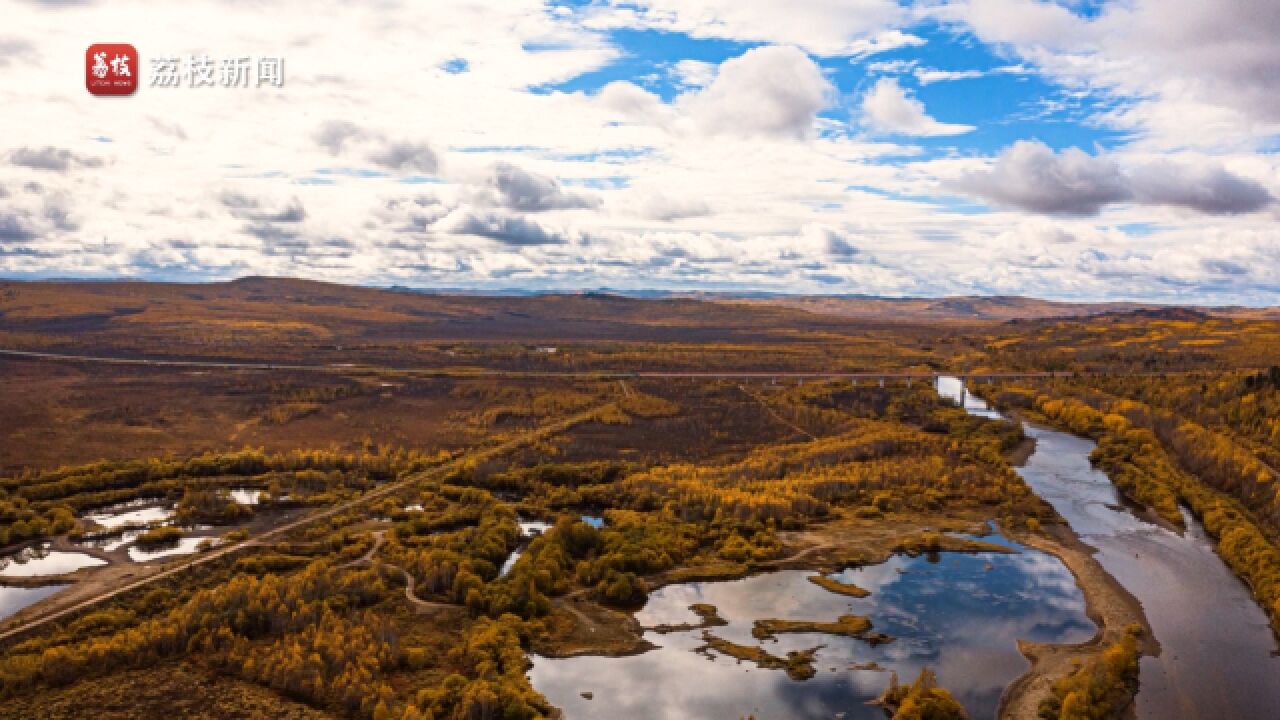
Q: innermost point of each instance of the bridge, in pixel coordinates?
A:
(880, 376)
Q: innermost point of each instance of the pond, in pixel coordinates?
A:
(112, 542)
(13, 599)
(134, 513)
(961, 616)
(40, 560)
(247, 495)
(183, 546)
(532, 528)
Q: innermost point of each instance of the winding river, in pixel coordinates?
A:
(960, 614)
(1218, 655)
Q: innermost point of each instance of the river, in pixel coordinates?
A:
(1218, 654)
(961, 615)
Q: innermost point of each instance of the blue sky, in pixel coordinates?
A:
(1078, 149)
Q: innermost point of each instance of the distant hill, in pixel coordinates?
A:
(997, 308)
(291, 309)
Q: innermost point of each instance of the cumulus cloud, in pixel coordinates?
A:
(1219, 266)
(405, 156)
(57, 210)
(772, 91)
(506, 229)
(1195, 73)
(840, 247)
(401, 156)
(819, 238)
(1024, 22)
(632, 102)
(1030, 176)
(1211, 190)
(14, 229)
(51, 158)
(333, 134)
(15, 48)
(517, 189)
(693, 73)
(411, 215)
(36, 217)
(888, 108)
(275, 223)
(663, 207)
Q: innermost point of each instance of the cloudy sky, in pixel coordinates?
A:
(1079, 149)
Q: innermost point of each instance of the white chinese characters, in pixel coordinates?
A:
(119, 66)
(206, 71)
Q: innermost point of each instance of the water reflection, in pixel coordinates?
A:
(127, 514)
(13, 599)
(509, 563)
(247, 496)
(532, 528)
(40, 560)
(954, 389)
(111, 543)
(1217, 647)
(961, 616)
(183, 546)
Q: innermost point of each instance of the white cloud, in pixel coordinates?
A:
(822, 27)
(883, 42)
(772, 90)
(1027, 23)
(632, 102)
(660, 206)
(508, 186)
(1030, 176)
(926, 76)
(887, 108)
(737, 182)
(693, 73)
(1186, 73)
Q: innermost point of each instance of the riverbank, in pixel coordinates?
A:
(1111, 607)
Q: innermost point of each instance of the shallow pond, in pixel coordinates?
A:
(184, 546)
(246, 496)
(130, 514)
(39, 561)
(532, 528)
(113, 542)
(1217, 658)
(13, 599)
(961, 616)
